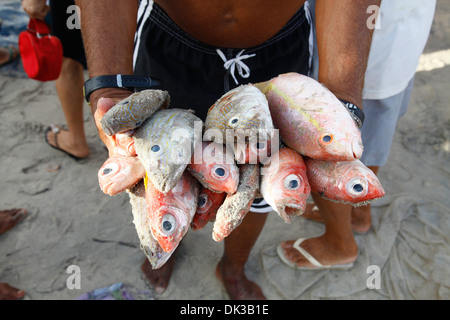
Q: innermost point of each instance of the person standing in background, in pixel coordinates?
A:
(69, 85)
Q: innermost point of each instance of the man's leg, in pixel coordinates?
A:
(336, 246)
(237, 248)
(159, 278)
(69, 86)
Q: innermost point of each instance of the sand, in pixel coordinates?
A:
(72, 222)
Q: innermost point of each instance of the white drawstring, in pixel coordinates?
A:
(243, 69)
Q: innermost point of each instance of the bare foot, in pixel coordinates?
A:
(361, 217)
(9, 218)
(237, 285)
(9, 293)
(64, 141)
(159, 278)
(325, 251)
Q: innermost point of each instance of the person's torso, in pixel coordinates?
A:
(231, 23)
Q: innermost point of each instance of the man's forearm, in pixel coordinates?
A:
(108, 29)
(343, 40)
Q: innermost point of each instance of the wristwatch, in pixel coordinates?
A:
(356, 113)
(130, 82)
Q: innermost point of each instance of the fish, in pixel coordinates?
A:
(164, 144)
(310, 118)
(122, 169)
(236, 206)
(120, 173)
(240, 115)
(171, 213)
(148, 244)
(284, 184)
(208, 203)
(348, 182)
(215, 168)
(132, 111)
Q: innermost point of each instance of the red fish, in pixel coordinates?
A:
(311, 120)
(151, 248)
(236, 206)
(284, 184)
(120, 173)
(171, 213)
(343, 181)
(215, 168)
(207, 206)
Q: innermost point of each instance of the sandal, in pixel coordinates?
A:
(13, 55)
(309, 257)
(56, 130)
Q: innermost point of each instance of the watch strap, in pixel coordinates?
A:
(130, 82)
(356, 113)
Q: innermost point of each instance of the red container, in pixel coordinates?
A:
(41, 52)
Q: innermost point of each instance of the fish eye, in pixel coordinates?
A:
(168, 224)
(110, 168)
(260, 145)
(326, 139)
(233, 122)
(357, 187)
(219, 172)
(292, 182)
(202, 199)
(155, 148)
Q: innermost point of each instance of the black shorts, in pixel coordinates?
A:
(194, 73)
(71, 40)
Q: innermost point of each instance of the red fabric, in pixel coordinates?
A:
(41, 52)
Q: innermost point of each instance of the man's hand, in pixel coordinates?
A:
(36, 9)
(101, 101)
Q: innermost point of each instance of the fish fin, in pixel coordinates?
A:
(146, 181)
(264, 87)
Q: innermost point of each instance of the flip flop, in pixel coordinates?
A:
(11, 57)
(56, 130)
(309, 257)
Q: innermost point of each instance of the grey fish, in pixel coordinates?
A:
(236, 206)
(165, 143)
(132, 111)
(239, 117)
(151, 248)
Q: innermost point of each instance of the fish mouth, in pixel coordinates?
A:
(289, 210)
(357, 148)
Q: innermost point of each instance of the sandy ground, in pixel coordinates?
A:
(72, 222)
